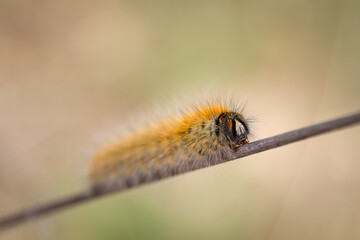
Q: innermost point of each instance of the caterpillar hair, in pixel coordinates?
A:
(205, 135)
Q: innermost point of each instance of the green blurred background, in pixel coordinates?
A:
(71, 71)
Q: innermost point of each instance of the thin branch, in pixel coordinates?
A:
(247, 149)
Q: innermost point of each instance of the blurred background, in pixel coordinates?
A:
(70, 70)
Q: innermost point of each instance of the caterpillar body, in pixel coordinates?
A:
(201, 137)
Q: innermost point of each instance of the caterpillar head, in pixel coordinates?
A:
(233, 128)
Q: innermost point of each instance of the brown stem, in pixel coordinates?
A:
(247, 149)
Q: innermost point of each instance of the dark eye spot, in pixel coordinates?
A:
(233, 128)
(200, 152)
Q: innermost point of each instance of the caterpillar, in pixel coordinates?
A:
(205, 135)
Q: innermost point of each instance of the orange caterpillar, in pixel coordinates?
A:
(205, 136)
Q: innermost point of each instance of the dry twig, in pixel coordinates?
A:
(248, 149)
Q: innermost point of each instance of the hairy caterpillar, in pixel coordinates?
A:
(204, 136)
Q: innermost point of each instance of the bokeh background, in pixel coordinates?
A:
(70, 70)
